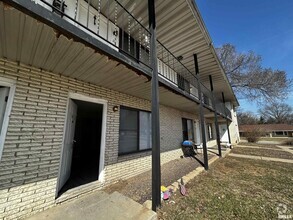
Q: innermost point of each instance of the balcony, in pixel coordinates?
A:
(113, 25)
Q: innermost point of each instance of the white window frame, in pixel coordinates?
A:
(138, 149)
(11, 84)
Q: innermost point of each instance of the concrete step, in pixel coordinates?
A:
(98, 205)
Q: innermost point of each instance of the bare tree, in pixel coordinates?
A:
(246, 118)
(247, 77)
(276, 113)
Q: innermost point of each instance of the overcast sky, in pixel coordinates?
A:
(263, 26)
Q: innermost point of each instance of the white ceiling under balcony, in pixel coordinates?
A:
(26, 40)
(178, 28)
(181, 29)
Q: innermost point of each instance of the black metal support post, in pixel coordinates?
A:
(227, 122)
(216, 117)
(201, 115)
(156, 164)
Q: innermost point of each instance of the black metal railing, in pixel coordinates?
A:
(110, 22)
(223, 110)
(107, 21)
(174, 71)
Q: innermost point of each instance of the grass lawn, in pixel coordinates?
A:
(234, 188)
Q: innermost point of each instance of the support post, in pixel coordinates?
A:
(216, 117)
(156, 164)
(201, 115)
(227, 122)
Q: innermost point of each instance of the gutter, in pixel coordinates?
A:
(193, 7)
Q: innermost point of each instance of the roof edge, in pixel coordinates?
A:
(193, 6)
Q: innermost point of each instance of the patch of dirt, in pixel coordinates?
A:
(139, 188)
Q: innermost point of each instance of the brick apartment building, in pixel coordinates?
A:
(75, 95)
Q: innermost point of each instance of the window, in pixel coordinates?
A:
(210, 131)
(6, 93)
(135, 130)
(187, 128)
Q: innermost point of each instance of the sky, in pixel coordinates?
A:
(262, 26)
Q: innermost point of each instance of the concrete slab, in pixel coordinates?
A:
(269, 142)
(98, 205)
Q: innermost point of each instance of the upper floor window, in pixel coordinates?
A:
(134, 131)
(6, 93)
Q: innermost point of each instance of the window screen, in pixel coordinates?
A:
(135, 131)
(128, 140)
(145, 131)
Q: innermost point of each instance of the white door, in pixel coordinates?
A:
(68, 144)
(197, 133)
(223, 133)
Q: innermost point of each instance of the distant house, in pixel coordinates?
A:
(270, 130)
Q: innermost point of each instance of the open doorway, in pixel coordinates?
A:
(80, 162)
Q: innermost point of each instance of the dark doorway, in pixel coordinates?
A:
(87, 143)
(187, 129)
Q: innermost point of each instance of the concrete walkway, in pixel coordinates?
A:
(287, 148)
(98, 206)
(257, 147)
(278, 147)
(261, 158)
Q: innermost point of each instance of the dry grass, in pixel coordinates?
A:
(235, 188)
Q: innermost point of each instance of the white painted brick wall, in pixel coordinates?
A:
(31, 156)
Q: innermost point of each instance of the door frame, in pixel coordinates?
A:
(77, 96)
(12, 87)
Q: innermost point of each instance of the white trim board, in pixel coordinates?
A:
(12, 85)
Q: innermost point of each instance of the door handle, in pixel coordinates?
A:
(74, 141)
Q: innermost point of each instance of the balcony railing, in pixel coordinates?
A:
(111, 23)
(223, 110)
(107, 21)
